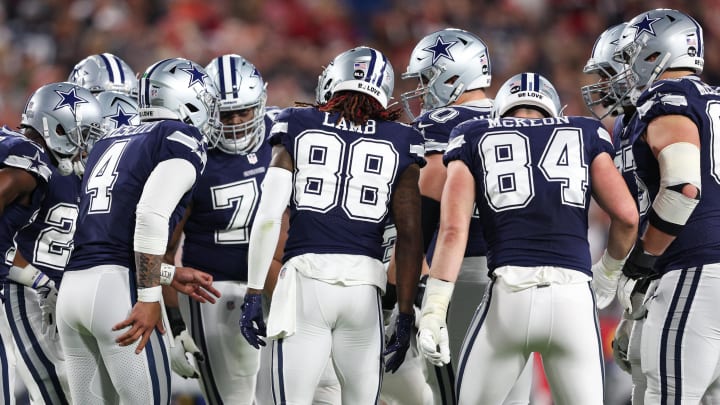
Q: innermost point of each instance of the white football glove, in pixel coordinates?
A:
(433, 341)
(48, 300)
(180, 355)
(606, 273)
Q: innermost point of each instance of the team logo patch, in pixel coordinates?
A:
(252, 158)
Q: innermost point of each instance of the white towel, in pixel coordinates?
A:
(282, 317)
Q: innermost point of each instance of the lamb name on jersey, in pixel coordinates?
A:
(224, 204)
(342, 177)
(532, 177)
(699, 240)
(19, 152)
(116, 171)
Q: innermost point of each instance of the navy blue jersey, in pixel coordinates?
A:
(224, 204)
(48, 241)
(699, 241)
(532, 182)
(624, 137)
(19, 152)
(115, 175)
(436, 126)
(343, 180)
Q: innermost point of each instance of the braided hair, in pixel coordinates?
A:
(359, 108)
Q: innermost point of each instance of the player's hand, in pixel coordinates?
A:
(399, 342)
(48, 300)
(143, 319)
(620, 344)
(252, 324)
(604, 284)
(179, 355)
(639, 263)
(433, 341)
(195, 283)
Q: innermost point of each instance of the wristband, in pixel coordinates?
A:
(150, 294)
(167, 272)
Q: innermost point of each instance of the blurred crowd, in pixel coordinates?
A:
(290, 40)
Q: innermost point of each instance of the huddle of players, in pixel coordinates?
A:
(514, 165)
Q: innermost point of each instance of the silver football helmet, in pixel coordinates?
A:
(326, 82)
(655, 41)
(118, 109)
(607, 96)
(445, 63)
(180, 89)
(241, 88)
(104, 72)
(365, 70)
(527, 89)
(69, 118)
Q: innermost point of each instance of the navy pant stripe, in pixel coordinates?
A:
(468, 348)
(198, 334)
(382, 346)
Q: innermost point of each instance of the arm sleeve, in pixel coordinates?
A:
(164, 188)
(265, 230)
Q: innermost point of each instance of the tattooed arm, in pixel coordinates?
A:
(164, 188)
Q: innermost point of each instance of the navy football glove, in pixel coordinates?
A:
(399, 341)
(251, 316)
(639, 263)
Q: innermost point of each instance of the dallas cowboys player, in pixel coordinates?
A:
(143, 174)
(61, 117)
(531, 179)
(24, 175)
(217, 225)
(345, 164)
(453, 71)
(610, 97)
(674, 132)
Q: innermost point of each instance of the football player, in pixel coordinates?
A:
(217, 225)
(25, 171)
(609, 97)
(530, 172)
(453, 71)
(62, 118)
(137, 183)
(341, 167)
(674, 137)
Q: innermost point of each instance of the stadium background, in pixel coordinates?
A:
(291, 40)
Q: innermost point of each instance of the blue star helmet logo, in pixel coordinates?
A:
(255, 73)
(441, 49)
(69, 99)
(196, 76)
(121, 118)
(645, 26)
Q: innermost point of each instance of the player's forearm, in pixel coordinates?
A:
(147, 269)
(408, 260)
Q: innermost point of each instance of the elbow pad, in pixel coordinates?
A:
(679, 166)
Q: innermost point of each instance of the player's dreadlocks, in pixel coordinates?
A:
(359, 107)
